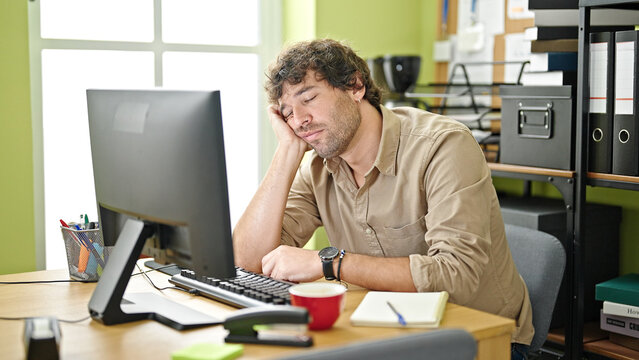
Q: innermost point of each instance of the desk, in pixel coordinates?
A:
(152, 340)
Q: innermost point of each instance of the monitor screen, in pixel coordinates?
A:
(158, 161)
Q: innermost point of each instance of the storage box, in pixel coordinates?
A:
(538, 126)
(601, 232)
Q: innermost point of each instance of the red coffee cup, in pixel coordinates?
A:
(324, 302)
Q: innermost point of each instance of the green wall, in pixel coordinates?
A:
(17, 239)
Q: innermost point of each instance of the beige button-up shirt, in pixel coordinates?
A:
(429, 196)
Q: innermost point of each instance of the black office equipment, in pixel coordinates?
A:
(537, 126)
(602, 95)
(625, 145)
(241, 326)
(160, 173)
(247, 289)
(601, 239)
(42, 338)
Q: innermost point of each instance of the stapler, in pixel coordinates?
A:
(241, 326)
(42, 338)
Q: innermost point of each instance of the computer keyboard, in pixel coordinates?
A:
(247, 289)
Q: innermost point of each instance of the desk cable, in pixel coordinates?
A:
(84, 281)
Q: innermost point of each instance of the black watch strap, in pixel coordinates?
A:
(327, 266)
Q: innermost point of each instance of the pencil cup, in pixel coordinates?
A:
(86, 253)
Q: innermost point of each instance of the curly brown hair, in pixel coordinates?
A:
(331, 60)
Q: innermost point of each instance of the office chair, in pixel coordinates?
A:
(540, 259)
(433, 345)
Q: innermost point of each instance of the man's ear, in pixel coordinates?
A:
(359, 90)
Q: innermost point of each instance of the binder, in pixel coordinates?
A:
(602, 94)
(625, 145)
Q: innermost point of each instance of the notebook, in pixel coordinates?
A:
(424, 309)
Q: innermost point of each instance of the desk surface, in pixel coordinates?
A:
(151, 340)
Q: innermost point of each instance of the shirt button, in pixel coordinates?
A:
(369, 231)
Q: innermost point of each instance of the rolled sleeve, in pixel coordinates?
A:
(456, 184)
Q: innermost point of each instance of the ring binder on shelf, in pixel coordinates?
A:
(625, 145)
(602, 93)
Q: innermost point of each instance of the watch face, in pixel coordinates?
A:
(329, 253)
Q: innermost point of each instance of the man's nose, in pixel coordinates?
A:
(301, 118)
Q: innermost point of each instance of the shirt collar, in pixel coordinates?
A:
(386, 160)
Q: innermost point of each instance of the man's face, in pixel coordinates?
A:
(326, 118)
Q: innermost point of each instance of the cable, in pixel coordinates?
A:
(44, 282)
(155, 286)
(60, 320)
(74, 281)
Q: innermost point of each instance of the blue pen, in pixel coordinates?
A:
(89, 245)
(400, 318)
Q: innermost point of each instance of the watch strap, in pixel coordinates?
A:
(327, 266)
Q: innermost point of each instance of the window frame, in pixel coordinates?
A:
(269, 44)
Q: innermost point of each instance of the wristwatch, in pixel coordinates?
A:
(327, 255)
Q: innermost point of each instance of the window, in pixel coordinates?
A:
(177, 44)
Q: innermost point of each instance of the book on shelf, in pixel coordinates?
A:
(549, 78)
(560, 45)
(566, 32)
(613, 308)
(598, 17)
(622, 290)
(620, 324)
(418, 309)
(553, 61)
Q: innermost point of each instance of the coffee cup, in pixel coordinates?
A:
(324, 302)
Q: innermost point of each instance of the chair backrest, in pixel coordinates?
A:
(540, 259)
(442, 344)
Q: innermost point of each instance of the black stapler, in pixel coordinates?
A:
(241, 326)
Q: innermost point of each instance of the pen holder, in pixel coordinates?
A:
(86, 253)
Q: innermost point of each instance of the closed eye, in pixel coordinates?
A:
(309, 99)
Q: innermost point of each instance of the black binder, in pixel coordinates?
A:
(625, 145)
(602, 101)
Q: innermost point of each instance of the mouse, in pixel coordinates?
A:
(42, 338)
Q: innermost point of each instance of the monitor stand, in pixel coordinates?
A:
(108, 304)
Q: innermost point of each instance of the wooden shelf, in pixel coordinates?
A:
(531, 170)
(613, 181)
(611, 350)
(592, 332)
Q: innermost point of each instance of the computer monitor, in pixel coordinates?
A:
(159, 170)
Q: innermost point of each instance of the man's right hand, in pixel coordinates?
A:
(285, 134)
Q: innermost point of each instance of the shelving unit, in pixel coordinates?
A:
(572, 186)
(574, 338)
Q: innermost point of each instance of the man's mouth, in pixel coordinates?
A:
(309, 136)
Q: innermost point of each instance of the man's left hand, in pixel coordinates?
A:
(292, 264)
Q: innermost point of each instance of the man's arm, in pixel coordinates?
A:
(259, 229)
(374, 273)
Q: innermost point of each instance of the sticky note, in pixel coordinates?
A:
(207, 351)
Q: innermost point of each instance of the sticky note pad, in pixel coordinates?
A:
(206, 351)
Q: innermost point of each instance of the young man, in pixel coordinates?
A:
(405, 193)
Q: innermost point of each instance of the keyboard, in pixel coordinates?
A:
(247, 289)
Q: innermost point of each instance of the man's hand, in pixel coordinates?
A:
(285, 134)
(292, 264)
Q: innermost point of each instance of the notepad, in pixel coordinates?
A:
(424, 309)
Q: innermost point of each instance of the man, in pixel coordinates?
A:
(406, 194)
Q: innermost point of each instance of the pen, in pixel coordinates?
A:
(90, 246)
(400, 318)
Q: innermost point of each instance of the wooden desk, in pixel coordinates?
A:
(152, 340)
